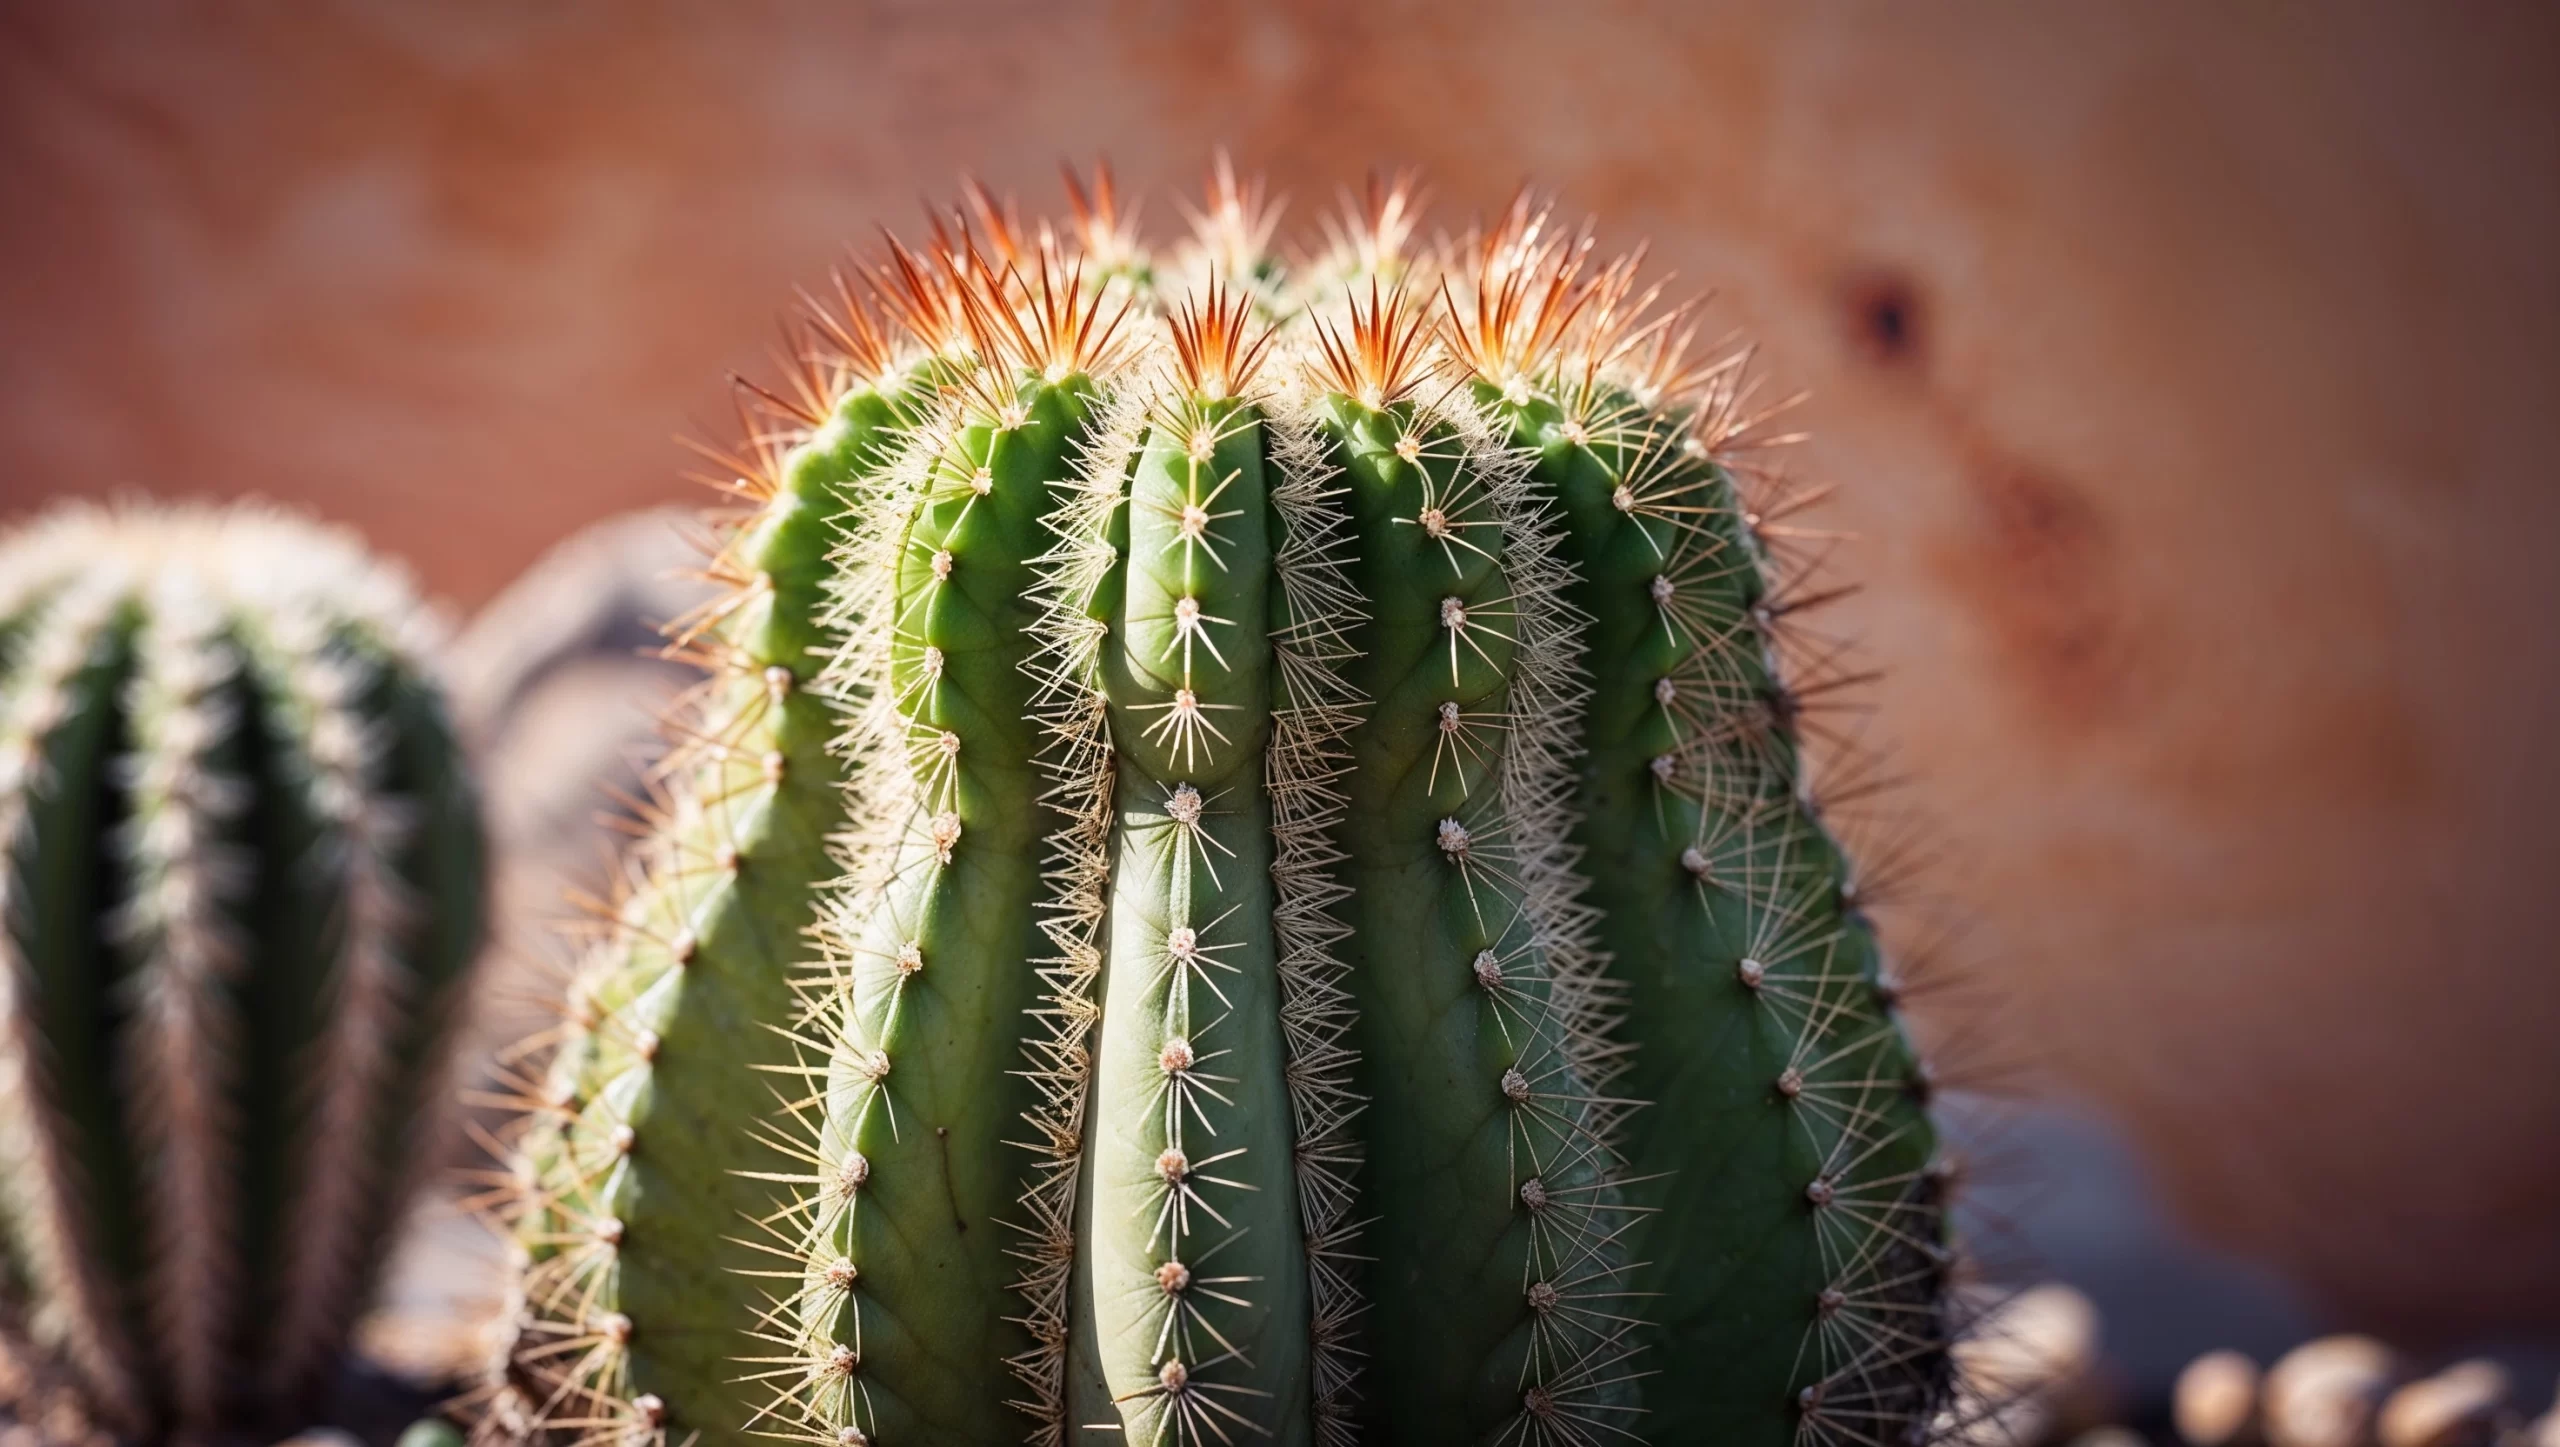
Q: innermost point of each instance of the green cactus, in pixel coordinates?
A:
(1327, 938)
(242, 887)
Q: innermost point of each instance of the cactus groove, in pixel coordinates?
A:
(242, 886)
(1325, 934)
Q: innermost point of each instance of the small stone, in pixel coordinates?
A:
(2326, 1393)
(2023, 1363)
(2457, 1407)
(308, 1437)
(2216, 1399)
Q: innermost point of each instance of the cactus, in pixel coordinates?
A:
(1326, 934)
(242, 888)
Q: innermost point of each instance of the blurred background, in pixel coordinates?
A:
(2190, 374)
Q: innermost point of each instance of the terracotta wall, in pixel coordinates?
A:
(2192, 373)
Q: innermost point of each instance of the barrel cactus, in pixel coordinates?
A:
(241, 886)
(1244, 874)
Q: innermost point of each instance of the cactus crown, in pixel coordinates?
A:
(1325, 931)
(241, 886)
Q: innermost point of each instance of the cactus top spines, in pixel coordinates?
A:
(1330, 937)
(242, 885)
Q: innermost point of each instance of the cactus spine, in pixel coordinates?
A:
(242, 886)
(1271, 779)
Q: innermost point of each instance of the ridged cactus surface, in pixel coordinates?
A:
(242, 884)
(1324, 933)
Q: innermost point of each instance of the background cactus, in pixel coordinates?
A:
(1330, 936)
(242, 885)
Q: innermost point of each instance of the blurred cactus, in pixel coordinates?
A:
(1322, 931)
(242, 885)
